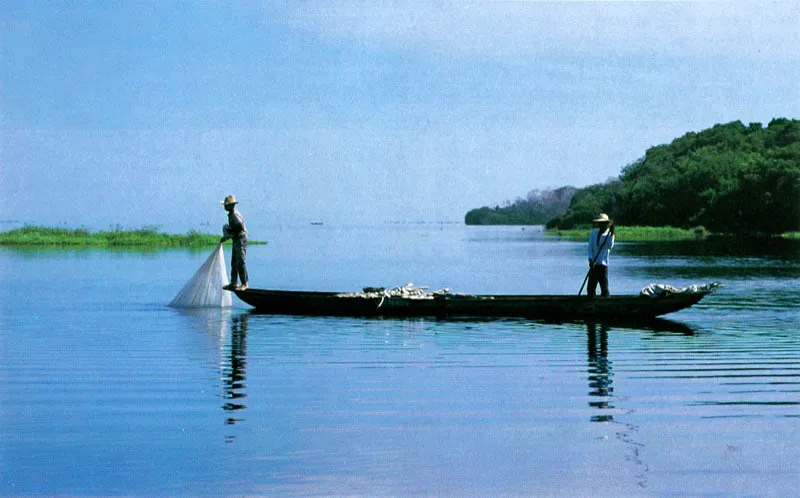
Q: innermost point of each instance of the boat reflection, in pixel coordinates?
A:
(652, 325)
(648, 325)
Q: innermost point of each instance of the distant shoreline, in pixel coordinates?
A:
(151, 238)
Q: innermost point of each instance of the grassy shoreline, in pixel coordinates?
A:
(80, 237)
(653, 234)
(149, 237)
(637, 233)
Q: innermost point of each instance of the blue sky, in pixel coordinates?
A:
(151, 112)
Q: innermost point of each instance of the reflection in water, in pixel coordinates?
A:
(233, 370)
(601, 386)
(229, 355)
(600, 381)
(213, 325)
(763, 248)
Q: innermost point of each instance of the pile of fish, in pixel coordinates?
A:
(407, 291)
(659, 290)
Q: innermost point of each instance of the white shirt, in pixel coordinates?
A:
(235, 228)
(605, 241)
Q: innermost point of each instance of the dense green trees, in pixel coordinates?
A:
(536, 209)
(729, 178)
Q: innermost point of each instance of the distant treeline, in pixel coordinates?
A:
(537, 208)
(730, 178)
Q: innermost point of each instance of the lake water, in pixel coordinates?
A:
(107, 391)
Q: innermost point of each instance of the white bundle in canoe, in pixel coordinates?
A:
(407, 291)
(660, 290)
(204, 289)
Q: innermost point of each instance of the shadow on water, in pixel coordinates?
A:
(716, 247)
(716, 258)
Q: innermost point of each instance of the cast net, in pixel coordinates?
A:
(204, 289)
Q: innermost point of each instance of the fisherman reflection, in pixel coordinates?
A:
(234, 370)
(600, 374)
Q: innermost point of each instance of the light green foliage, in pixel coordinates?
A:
(637, 233)
(147, 236)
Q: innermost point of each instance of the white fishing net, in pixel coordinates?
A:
(204, 289)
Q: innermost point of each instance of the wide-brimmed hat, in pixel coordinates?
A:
(229, 200)
(603, 218)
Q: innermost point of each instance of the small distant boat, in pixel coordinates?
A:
(561, 307)
(317, 223)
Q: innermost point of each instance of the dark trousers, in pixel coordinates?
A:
(239, 260)
(598, 275)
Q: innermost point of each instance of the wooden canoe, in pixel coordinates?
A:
(458, 305)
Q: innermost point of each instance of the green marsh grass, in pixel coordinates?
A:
(638, 234)
(652, 234)
(146, 237)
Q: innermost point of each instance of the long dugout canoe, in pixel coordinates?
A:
(465, 305)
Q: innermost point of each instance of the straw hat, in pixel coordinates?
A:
(603, 218)
(229, 200)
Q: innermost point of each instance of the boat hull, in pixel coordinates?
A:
(453, 305)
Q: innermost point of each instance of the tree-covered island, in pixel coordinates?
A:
(538, 207)
(730, 178)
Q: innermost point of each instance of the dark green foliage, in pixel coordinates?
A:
(587, 203)
(730, 178)
(538, 207)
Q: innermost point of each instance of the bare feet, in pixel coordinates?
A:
(242, 287)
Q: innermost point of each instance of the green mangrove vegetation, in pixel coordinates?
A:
(728, 179)
(145, 237)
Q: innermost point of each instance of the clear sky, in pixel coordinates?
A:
(150, 112)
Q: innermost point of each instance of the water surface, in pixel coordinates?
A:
(106, 391)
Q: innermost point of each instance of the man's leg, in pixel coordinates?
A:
(602, 277)
(234, 264)
(243, 277)
(591, 288)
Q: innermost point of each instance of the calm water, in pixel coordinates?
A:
(106, 391)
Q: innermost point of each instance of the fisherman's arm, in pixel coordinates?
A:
(613, 236)
(226, 233)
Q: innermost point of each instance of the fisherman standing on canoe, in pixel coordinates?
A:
(601, 240)
(236, 231)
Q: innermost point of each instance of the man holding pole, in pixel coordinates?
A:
(601, 240)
